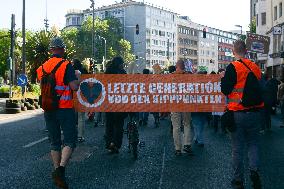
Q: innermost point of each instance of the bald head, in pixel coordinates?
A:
(180, 65)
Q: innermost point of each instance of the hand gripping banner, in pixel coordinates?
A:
(149, 93)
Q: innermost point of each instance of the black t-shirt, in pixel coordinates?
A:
(229, 80)
(69, 74)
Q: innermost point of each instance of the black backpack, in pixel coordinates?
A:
(252, 93)
(49, 99)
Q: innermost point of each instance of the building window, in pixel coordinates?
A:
(263, 18)
(275, 13)
(280, 10)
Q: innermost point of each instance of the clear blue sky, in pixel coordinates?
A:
(223, 14)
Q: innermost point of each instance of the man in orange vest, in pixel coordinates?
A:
(64, 117)
(247, 119)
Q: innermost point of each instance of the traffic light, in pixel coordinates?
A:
(137, 29)
(204, 32)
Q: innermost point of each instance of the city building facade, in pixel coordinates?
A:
(269, 15)
(187, 40)
(156, 42)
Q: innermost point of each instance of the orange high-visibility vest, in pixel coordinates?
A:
(62, 90)
(236, 95)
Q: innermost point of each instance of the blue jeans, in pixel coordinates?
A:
(64, 119)
(144, 116)
(248, 125)
(199, 120)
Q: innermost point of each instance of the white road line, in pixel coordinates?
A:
(35, 142)
(163, 168)
(21, 115)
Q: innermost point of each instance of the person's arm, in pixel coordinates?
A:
(70, 78)
(229, 80)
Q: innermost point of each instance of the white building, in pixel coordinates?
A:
(269, 14)
(157, 39)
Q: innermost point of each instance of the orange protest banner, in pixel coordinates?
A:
(149, 93)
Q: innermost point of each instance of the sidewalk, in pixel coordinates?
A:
(2, 105)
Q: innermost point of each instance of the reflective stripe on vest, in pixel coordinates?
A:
(238, 90)
(62, 88)
(66, 97)
(235, 98)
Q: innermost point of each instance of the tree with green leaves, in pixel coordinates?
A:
(37, 49)
(125, 51)
(4, 52)
(252, 26)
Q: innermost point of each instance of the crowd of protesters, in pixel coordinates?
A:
(187, 127)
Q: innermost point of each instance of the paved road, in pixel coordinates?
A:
(25, 164)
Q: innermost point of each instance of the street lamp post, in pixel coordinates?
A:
(239, 26)
(24, 37)
(93, 29)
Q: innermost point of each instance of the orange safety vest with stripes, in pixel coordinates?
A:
(234, 99)
(61, 89)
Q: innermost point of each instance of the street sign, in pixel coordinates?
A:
(277, 30)
(257, 43)
(22, 80)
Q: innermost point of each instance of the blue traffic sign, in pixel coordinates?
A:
(22, 80)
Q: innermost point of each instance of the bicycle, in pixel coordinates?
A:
(133, 137)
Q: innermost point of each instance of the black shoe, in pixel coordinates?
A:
(81, 139)
(113, 149)
(58, 176)
(178, 153)
(201, 145)
(254, 176)
(237, 184)
(188, 149)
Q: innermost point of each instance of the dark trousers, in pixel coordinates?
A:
(267, 116)
(114, 129)
(246, 134)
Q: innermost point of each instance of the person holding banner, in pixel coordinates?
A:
(114, 120)
(178, 118)
(246, 116)
(198, 121)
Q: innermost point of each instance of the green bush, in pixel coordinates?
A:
(17, 89)
(35, 89)
(4, 89)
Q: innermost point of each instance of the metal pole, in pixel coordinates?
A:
(105, 50)
(12, 59)
(24, 37)
(93, 29)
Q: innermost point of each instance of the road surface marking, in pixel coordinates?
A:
(21, 115)
(35, 142)
(163, 168)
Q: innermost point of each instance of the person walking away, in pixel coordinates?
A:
(247, 116)
(270, 100)
(217, 115)
(80, 115)
(179, 118)
(199, 120)
(114, 120)
(143, 116)
(280, 97)
(64, 115)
